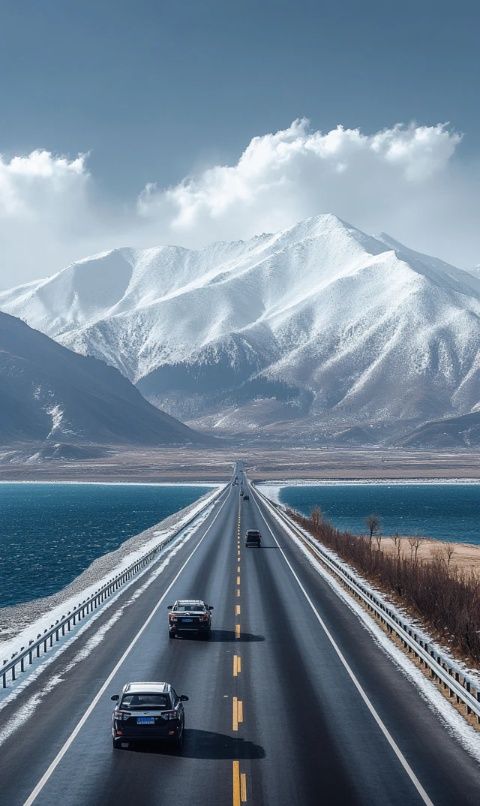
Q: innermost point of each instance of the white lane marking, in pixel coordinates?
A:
(151, 572)
(56, 761)
(391, 741)
(26, 711)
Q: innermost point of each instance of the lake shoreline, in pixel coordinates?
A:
(446, 511)
(16, 618)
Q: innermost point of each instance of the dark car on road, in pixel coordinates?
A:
(246, 497)
(253, 537)
(190, 616)
(148, 712)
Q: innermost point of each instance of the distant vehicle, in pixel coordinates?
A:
(246, 497)
(190, 616)
(253, 538)
(148, 712)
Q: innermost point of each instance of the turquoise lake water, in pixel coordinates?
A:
(49, 533)
(440, 511)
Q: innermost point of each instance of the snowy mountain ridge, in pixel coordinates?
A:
(319, 325)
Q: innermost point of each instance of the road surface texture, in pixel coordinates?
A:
(291, 701)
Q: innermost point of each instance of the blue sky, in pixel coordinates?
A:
(157, 91)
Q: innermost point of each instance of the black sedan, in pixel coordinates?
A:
(148, 712)
(190, 616)
(253, 538)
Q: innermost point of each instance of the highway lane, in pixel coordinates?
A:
(342, 743)
(273, 715)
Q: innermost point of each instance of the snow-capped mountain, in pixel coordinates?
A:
(317, 327)
(51, 394)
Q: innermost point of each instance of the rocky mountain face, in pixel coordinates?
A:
(49, 394)
(314, 331)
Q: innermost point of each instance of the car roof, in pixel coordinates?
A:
(147, 688)
(253, 532)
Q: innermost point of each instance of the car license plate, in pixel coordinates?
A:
(187, 620)
(145, 720)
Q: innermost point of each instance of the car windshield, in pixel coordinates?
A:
(145, 702)
(253, 533)
(189, 607)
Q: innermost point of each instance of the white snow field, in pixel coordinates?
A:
(320, 323)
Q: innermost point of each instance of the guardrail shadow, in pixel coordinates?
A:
(203, 744)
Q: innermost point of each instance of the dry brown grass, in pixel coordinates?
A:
(435, 587)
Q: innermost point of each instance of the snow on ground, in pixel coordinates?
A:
(21, 623)
(149, 575)
(274, 488)
(272, 491)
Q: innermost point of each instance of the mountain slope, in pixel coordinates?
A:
(48, 392)
(319, 325)
(452, 432)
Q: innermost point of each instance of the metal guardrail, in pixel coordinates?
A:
(44, 641)
(454, 679)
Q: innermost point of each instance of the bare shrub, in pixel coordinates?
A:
(414, 543)
(444, 596)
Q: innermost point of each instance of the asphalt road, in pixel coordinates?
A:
(291, 701)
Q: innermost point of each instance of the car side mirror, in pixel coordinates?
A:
(115, 697)
(183, 698)
(170, 607)
(210, 607)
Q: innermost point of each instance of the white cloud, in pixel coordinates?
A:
(297, 172)
(407, 180)
(45, 210)
(29, 183)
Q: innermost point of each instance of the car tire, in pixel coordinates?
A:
(171, 634)
(116, 743)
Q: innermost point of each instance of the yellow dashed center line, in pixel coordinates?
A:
(237, 665)
(243, 787)
(239, 779)
(236, 784)
(239, 785)
(237, 713)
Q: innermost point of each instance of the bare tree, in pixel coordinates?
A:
(414, 543)
(373, 525)
(445, 596)
(317, 517)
